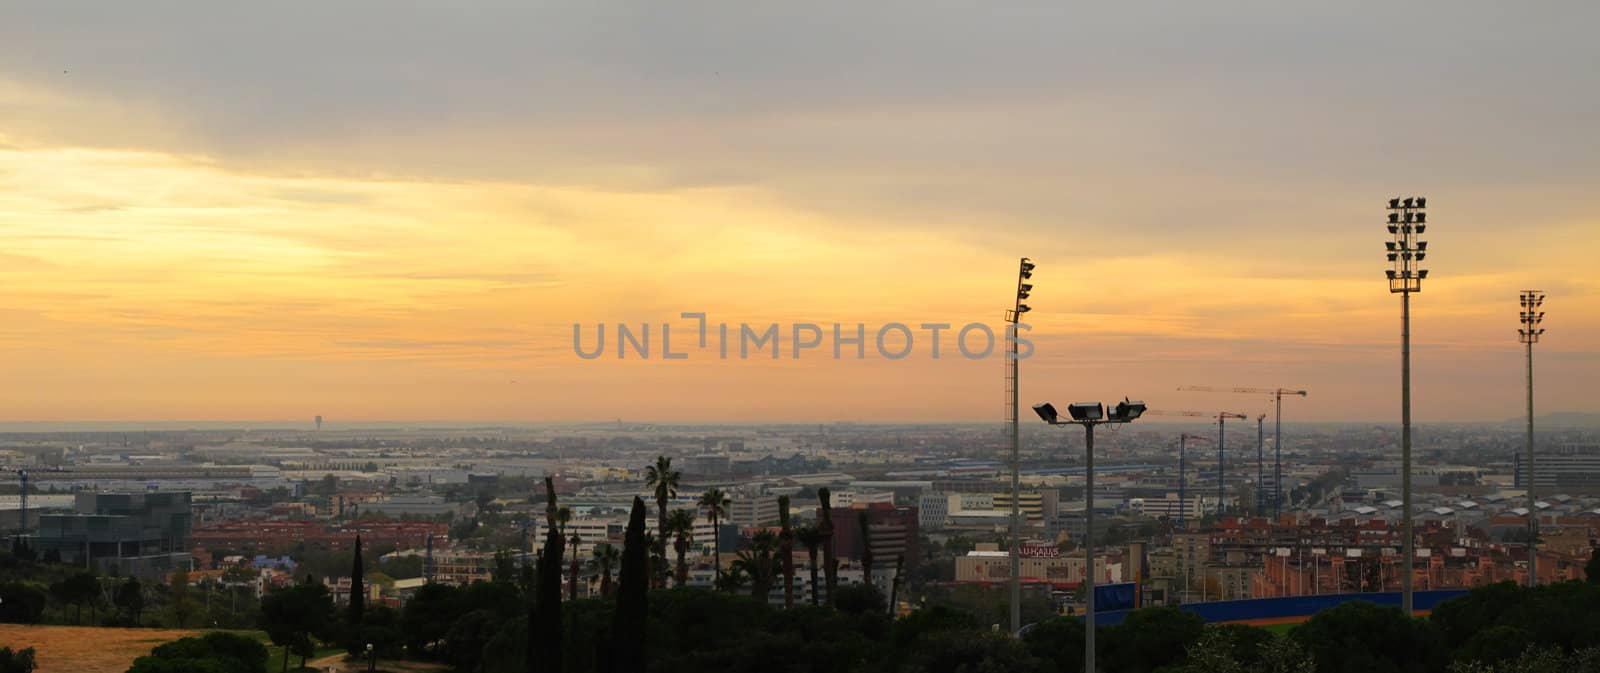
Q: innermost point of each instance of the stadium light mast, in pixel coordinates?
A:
(1408, 219)
(1024, 273)
(1529, 334)
(1088, 415)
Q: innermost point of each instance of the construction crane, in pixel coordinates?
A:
(1183, 473)
(1277, 433)
(1222, 425)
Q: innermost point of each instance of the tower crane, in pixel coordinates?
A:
(1277, 433)
(1222, 424)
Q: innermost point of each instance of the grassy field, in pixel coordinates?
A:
(86, 649)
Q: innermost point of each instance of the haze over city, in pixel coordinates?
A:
(385, 213)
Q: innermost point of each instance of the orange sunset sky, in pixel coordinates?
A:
(385, 211)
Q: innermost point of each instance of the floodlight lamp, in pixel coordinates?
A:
(1422, 245)
(1389, 245)
(1422, 202)
(1389, 272)
(1394, 203)
(1086, 411)
(1026, 287)
(1394, 217)
(1128, 410)
(1421, 256)
(1408, 201)
(1422, 217)
(1421, 228)
(1394, 229)
(1022, 308)
(1421, 274)
(1046, 411)
(1026, 274)
(1392, 256)
(1410, 216)
(1027, 266)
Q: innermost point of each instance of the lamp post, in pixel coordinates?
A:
(372, 659)
(1407, 221)
(1089, 414)
(1024, 272)
(1529, 335)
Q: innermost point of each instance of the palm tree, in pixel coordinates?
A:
(811, 537)
(606, 557)
(786, 551)
(830, 561)
(680, 523)
(563, 517)
(663, 480)
(716, 504)
(732, 580)
(757, 561)
(572, 582)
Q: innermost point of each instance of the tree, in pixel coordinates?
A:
(786, 551)
(78, 589)
(830, 563)
(716, 504)
(680, 524)
(757, 562)
(811, 537)
(294, 616)
(358, 600)
(178, 593)
(129, 600)
(605, 560)
(663, 480)
(1149, 639)
(575, 565)
(18, 661)
(217, 651)
(1591, 570)
(630, 622)
(546, 636)
(1359, 637)
(21, 603)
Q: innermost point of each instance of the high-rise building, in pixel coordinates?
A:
(142, 534)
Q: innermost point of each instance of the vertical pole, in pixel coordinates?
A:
(1016, 497)
(1222, 424)
(1277, 461)
(1261, 467)
(1533, 511)
(1405, 447)
(1088, 549)
(1183, 504)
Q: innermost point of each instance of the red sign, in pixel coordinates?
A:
(1040, 551)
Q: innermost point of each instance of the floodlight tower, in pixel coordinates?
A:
(1407, 221)
(1088, 415)
(1024, 273)
(1529, 335)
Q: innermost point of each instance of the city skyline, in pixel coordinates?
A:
(198, 224)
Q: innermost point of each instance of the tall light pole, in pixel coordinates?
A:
(1529, 335)
(1089, 414)
(1261, 465)
(1024, 273)
(1407, 221)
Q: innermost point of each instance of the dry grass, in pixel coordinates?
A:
(86, 649)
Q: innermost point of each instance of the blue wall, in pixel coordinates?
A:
(1293, 606)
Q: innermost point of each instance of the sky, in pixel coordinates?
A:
(398, 211)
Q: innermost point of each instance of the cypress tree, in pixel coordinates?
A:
(545, 625)
(866, 548)
(629, 621)
(358, 593)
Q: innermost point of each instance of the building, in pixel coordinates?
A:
(932, 510)
(141, 534)
(1573, 468)
(893, 530)
(756, 511)
(1192, 508)
(1040, 564)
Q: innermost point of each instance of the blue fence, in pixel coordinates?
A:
(1292, 606)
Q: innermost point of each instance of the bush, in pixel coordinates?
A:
(215, 652)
